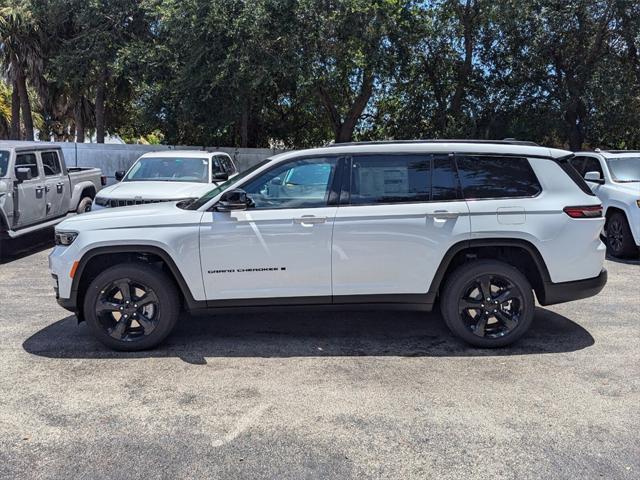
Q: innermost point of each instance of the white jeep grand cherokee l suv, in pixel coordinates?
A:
(477, 227)
(614, 176)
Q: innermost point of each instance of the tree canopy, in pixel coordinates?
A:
(297, 73)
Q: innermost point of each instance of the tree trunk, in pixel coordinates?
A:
(244, 126)
(100, 90)
(79, 114)
(574, 118)
(25, 106)
(15, 113)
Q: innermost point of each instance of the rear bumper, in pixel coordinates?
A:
(576, 290)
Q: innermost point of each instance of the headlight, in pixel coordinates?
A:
(102, 201)
(65, 238)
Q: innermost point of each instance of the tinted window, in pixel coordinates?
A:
(586, 164)
(28, 160)
(390, 179)
(51, 163)
(444, 179)
(4, 162)
(496, 177)
(299, 184)
(566, 164)
(227, 164)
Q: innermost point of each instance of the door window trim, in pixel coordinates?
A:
(59, 174)
(38, 163)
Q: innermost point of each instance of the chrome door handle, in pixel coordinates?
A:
(444, 214)
(309, 220)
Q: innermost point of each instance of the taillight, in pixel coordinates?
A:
(593, 211)
(103, 180)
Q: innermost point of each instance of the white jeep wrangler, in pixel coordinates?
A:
(477, 227)
(614, 176)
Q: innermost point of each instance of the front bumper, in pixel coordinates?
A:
(569, 291)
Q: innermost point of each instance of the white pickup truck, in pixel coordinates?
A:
(38, 190)
(614, 176)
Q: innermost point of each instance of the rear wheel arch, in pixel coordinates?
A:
(522, 254)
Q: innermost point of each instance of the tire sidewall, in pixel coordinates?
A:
(158, 281)
(82, 205)
(457, 282)
(628, 247)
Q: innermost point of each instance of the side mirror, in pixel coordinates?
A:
(593, 177)
(220, 176)
(120, 175)
(235, 199)
(23, 174)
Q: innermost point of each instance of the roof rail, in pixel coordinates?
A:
(618, 151)
(390, 142)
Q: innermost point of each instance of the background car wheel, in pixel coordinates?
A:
(85, 205)
(131, 307)
(488, 303)
(620, 241)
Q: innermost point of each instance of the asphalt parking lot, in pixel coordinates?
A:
(318, 395)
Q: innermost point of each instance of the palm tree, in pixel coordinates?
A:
(20, 55)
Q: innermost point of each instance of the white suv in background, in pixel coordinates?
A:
(614, 176)
(477, 227)
(167, 176)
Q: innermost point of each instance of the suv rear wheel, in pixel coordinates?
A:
(619, 238)
(131, 307)
(488, 303)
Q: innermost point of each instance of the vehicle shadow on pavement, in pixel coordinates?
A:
(626, 261)
(311, 334)
(26, 245)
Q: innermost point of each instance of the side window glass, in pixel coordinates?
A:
(216, 166)
(390, 179)
(300, 184)
(578, 164)
(51, 164)
(591, 165)
(497, 177)
(444, 179)
(28, 160)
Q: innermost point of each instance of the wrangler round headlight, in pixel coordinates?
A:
(65, 238)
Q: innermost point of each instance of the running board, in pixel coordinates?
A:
(39, 226)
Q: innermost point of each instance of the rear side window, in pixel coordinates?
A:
(51, 164)
(496, 177)
(390, 179)
(565, 164)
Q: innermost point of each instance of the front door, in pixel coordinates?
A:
(394, 225)
(31, 207)
(281, 246)
(56, 185)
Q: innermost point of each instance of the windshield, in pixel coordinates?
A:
(4, 162)
(169, 169)
(625, 169)
(223, 186)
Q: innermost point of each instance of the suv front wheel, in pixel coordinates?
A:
(131, 307)
(488, 303)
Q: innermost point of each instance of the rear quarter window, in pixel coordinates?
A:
(486, 177)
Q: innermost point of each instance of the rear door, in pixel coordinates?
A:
(56, 184)
(31, 197)
(398, 216)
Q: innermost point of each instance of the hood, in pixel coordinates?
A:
(155, 190)
(630, 188)
(135, 216)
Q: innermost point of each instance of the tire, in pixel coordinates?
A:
(85, 205)
(151, 314)
(620, 241)
(506, 321)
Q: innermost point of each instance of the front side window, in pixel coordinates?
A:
(302, 183)
(625, 169)
(51, 164)
(28, 160)
(169, 169)
(4, 163)
(485, 177)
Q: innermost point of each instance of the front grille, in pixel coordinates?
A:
(125, 202)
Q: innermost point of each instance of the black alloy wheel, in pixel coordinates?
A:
(619, 239)
(491, 306)
(487, 303)
(127, 310)
(132, 306)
